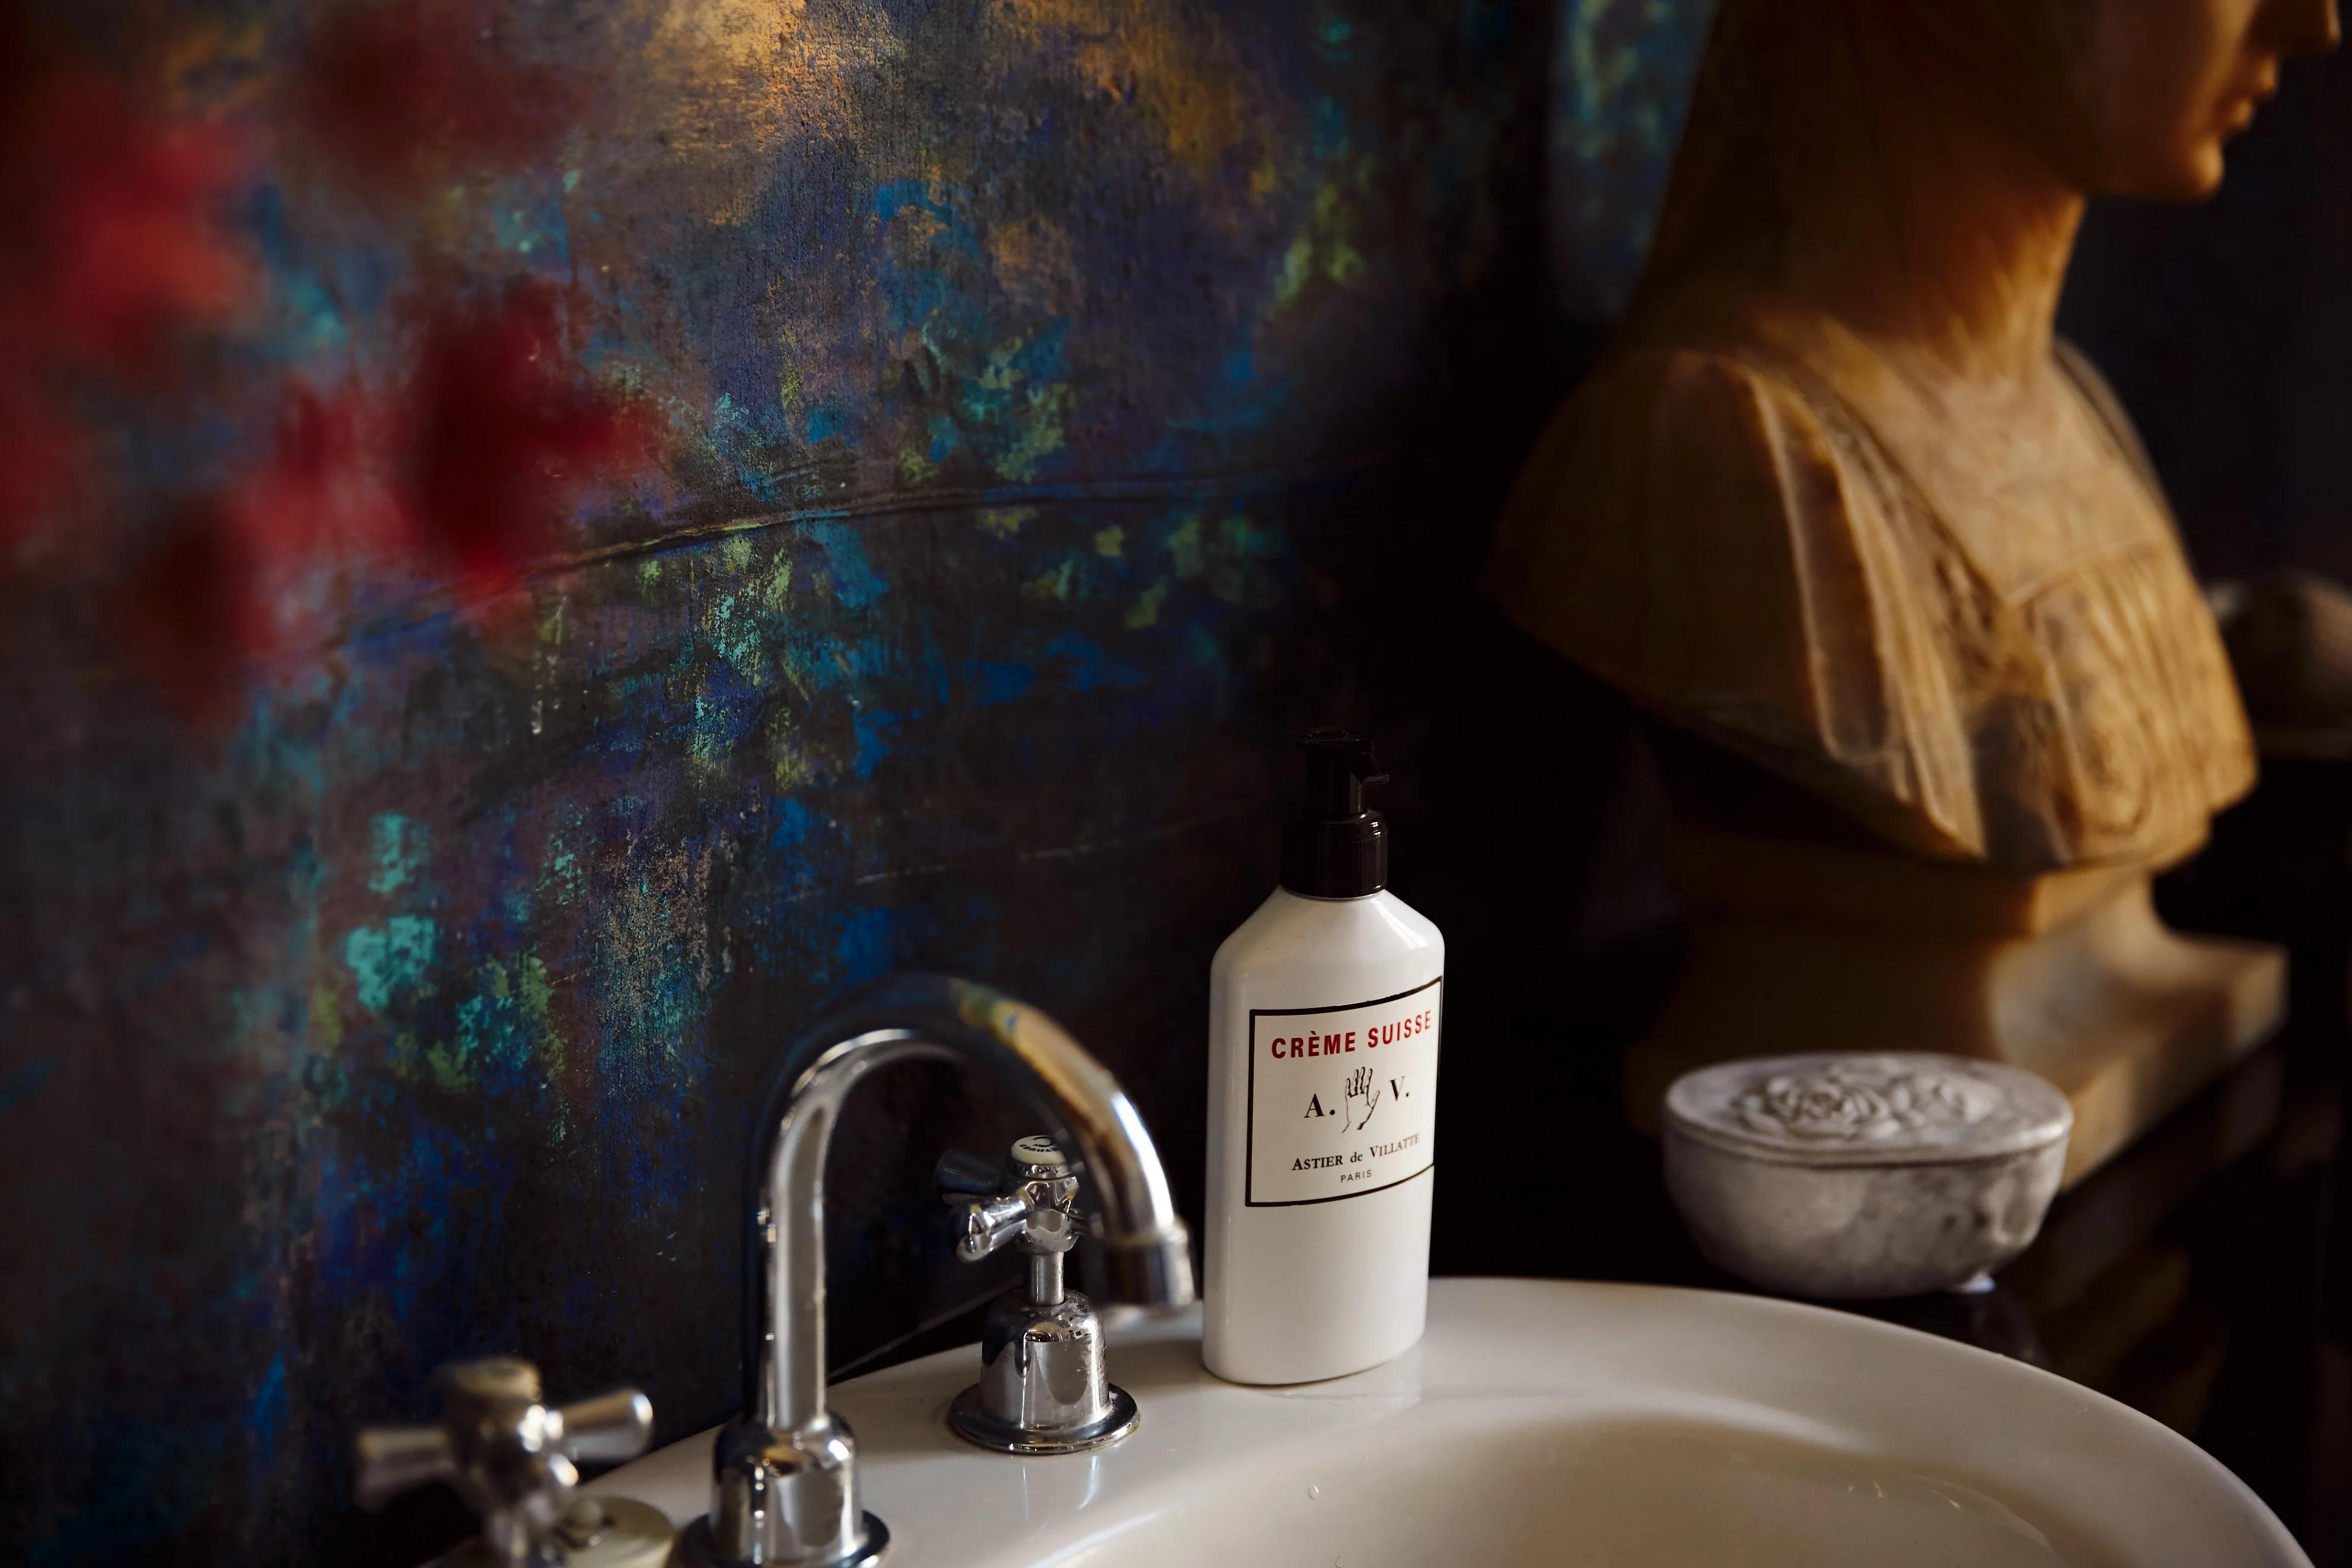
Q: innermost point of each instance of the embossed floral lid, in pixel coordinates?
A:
(1848, 1109)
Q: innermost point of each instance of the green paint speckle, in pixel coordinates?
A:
(1145, 611)
(1184, 547)
(326, 1020)
(1298, 266)
(779, 588)
(1054, 584)
(1005, 521)
(1041, 431)
(504, 1029)
(1110, 542)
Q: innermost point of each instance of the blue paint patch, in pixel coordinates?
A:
(1081, 661)
(999, 683)
(265, 1413)
(790, 823)
(876, 941)
(855, 581)
(872, 728)
(865, 949)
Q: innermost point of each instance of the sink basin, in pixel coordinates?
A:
(1545, 1422)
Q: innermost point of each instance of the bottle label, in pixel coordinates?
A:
(1342, 1100)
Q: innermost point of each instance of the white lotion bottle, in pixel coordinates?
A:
(1323, 1024)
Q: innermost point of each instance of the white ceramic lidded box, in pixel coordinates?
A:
(1848, 1176)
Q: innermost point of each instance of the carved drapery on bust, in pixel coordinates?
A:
(2003, 660)
(1838, 500)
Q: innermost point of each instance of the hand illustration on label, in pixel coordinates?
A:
(1364, 1096)
(1311, 1137)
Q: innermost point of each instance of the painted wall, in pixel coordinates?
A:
(1063, 403)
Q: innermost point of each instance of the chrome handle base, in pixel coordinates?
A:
(1042, 1389)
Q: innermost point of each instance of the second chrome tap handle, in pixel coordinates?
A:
(510, 1455)
(389, 1460)
(607, 1428)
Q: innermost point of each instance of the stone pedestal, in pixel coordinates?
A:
(1799, 947)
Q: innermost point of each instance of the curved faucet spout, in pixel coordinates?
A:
(784, 1485)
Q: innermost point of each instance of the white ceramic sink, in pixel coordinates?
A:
(1548, 1423)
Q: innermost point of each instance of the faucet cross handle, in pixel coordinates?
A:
(1030, 1199)
(510, 1455)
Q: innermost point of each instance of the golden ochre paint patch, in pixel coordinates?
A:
(1172, 66)
(721, 77)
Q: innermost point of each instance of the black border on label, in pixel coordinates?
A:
(1249, 1112)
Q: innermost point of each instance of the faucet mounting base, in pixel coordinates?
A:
(694, 1548)
(966, 1420)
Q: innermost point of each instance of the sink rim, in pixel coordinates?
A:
(1609, 1351)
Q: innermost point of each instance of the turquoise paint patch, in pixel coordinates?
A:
(897, 195)
(945, 438)
(397, 846)
(492, 1048)
(391, 960)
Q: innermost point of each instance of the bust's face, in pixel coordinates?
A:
(2159, 85)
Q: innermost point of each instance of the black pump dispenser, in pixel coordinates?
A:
(1337, 849)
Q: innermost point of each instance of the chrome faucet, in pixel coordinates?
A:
(784, 1485)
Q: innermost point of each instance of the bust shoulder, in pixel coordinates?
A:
(1970, 630)
(1700, 529)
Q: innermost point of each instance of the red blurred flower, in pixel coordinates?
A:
(323, 491)
(123, 241)
(501, 437)
(113, 243)
(114, 247)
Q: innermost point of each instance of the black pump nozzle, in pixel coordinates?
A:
(1337, 849)
(1338, 765)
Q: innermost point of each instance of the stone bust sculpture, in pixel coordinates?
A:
(1840, 504)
